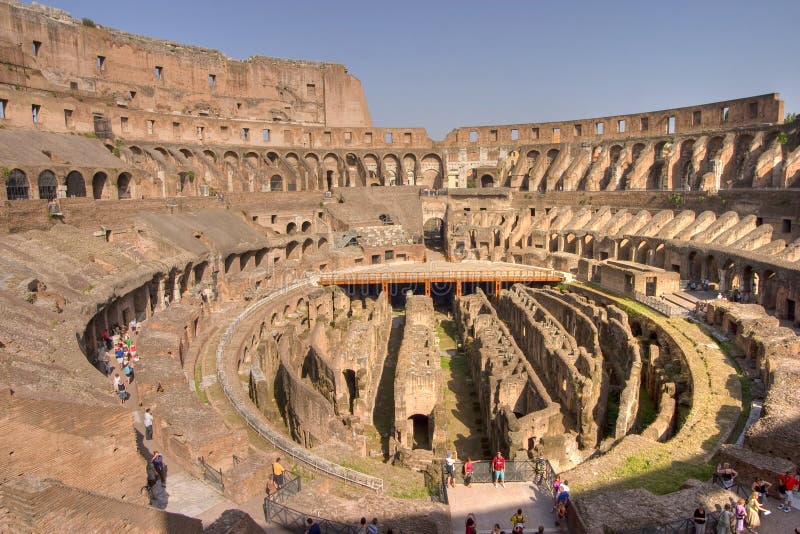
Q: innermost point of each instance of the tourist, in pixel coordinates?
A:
(134, 355)
(753, 511)
(107, 339)
(499, 469)
(471, 524)
(148, 424)
(362, 526)
(540, 530)
(128, 370)
(539, 469)
(786, 486)
(120, 354)
(450, 469)
(762, 487)
(123, 395)
(132, 325)
(496, 529)
(740, 513)
(117, 380)
(563, 493)
(373, 527)
(161, 469)
(152, 476)
(312, 528)
(556, 489)
(277, 472)
(468, 470)
(518, 521)
(561, 514)
(725, 521)
(699, 519)
(727, 475)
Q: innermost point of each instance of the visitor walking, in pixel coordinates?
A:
(277, 472)
(468, 470)
(312, 528)
(471, 524)
(161, 469)
(123, 395)
(373, 527)
(556, 489)
(499, 469)
(539, 469)
(148, 424)
(786, 486)
(450, 469)
(762, 487)
(563, 493)
(518, 521)
(752, 513)
(362, 526)
(699, 520)
(740, 513)
(725, 522)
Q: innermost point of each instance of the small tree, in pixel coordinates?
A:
(790, 117)
(88, 22)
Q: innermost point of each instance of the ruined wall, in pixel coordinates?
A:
(418, 385)
(515, 402)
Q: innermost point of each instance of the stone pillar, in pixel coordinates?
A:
(161, 293)
(560, 243)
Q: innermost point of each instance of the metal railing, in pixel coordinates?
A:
(276, 512)
(515, 471)
(517, 275)
(276, 439)
(211, 474)
(659, 305)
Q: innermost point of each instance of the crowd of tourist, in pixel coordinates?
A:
(120, 340)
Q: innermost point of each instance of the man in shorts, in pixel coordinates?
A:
(499, 469)
(450, 469)
(787, 486)
(277, 472)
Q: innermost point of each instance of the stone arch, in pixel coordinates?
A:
(409, 169)
(391, 170)
(625, 252)
(99, 181)
(76, 185)
(291, 228)
(654, 177)
(210, 154)
(741, 150)
(308, 246)
(17, 186)
(330, 168)
(323, 245)
(47, 185)
(487, 180)
(305, 227)
(552, 154)
(433, 232)
(432, 171)
(768, 290)
(312, 161)
(276, 183)
(683, 169)
(293, 250)
(659, 256)
(372, 166)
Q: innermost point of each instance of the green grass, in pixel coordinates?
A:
(658, 473)
(411, 493)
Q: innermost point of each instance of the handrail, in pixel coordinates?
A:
(444, 276)
(274, 438)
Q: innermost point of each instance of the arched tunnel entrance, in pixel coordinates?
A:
(422, 431)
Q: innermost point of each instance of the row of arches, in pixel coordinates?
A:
(73, 185)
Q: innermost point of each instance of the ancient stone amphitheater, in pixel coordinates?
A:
(619, 293)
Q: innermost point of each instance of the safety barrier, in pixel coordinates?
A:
(277, 440)
(276, 512)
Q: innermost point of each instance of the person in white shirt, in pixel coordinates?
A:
(450, 469)
(148, 424)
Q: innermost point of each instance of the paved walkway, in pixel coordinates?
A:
(496, 505)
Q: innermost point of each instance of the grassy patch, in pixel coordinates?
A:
(655, 471)
(411, 493)
(198, 388)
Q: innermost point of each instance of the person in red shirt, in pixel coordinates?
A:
(788, 483)
(499, 469)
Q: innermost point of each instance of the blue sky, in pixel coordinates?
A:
(444, 64)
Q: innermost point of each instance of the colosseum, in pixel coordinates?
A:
(283, 285)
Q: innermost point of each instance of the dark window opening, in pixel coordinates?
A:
(697, 118)
(726, 114)
(753, 107)
(159, 72)
(73, 86)
(534, 133)
(101, 63)
(37, 45)
(645, 124)
(786, 226)
(578, 130)
(35, 110)
(3, 108)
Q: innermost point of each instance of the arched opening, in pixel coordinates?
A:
(433, 233)
(291, 228)
(768, 290)
(293, 251)
(642, 253)
(306, 226)
(352, 388)
(329, 180)
(98, 184)
(276, 183)
(323, 245)
(47, 185)
(124, 185)
(17, 185)
(421, 432)
(76, 185)
(487, 181)
(308, 246)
